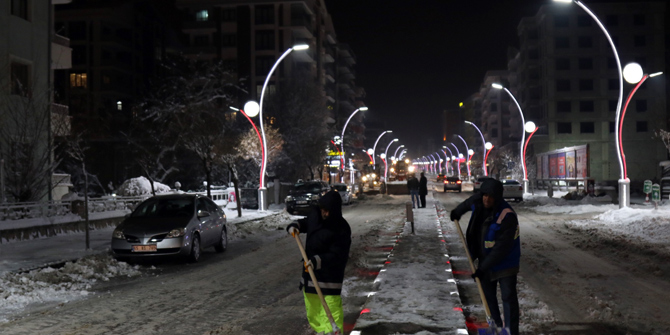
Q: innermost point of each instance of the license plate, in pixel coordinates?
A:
(301, 202)
(144, 248)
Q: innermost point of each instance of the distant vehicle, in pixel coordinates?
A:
(305, 194)
(173, 224)
(371, 178)
(452, 183)
(440, 177)
(401, 170)
(478, 183)
(344, 192)
(512, 189)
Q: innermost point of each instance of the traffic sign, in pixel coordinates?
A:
(656, 192)
(647, 186)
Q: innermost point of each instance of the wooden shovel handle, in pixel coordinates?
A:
(472, 268)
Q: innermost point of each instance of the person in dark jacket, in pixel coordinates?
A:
(327, 246)
(413, 187)
(493, 238)
(423, 189)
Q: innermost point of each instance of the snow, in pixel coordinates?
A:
(140, 186)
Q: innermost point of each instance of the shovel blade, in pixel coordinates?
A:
(486, 331)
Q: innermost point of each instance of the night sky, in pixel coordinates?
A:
(418, 58)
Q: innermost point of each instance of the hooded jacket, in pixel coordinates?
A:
(492, 234)
(327, 245)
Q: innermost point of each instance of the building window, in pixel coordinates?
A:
(612, 105)
(493, 107)
(561, 21)
(564, 106)
(533, 54)
(229, 15)
(612, 84)
(265, 14)
(585, 63)
(562, 64)
(611, 127)
(119, 105)
(563, 85)
(586, 84)
(585, 42)
(265, 40)
(228, 40)
(20, 8)
(584, 21)
(563, 127)
(76, 30)
(20, 79)
(587, 127)
(641, 105)
(562, 42)
(201, 40)
(264, 64)
(586, 106)
(611, 63)
(611, 20)
(639, 40)
(202, 15)
(638, 19)
(78, 80)
(641, 126)
(78, 54)
(494, 132)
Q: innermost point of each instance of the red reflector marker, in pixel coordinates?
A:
(365, 310)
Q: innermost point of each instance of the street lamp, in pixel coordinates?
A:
(262, 191)
(467, 150)
(375, 146)
(432, 164)
(529, 128)
(386, 167)
(633, 74)
(252, 108)
(488, 147)
(452, 155)
(396, 151)
(345, 128)
(483, 145)
(446, 162)
(624, 182)
(523, 132)
(367, 152)
(458, 156)
(470, 153)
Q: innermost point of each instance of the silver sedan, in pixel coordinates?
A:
(174, 224)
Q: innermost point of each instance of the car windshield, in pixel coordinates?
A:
(510, 182)
(452, 179)
(340, 188)
(307, 188)
(165, 207)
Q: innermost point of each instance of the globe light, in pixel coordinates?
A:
(370, 151)
(633, 73)
(471, 152)
(251, 108)
(488, 145)
(530, 127)
(382, 156)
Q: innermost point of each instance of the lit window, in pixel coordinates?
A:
(119, 105)
(78, 80)
(202, 15)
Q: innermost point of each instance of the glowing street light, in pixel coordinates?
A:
(375, 146)
(251, 109)
(345, 128)
(386, 167)
(523, 132)
(396, 150)
(529, 128)
(458, 156)
(262, 190)
(467, 150)
(624, 183)
(367, 152)
(488, 147)
(483, 145)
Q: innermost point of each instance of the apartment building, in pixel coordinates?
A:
(566, 80)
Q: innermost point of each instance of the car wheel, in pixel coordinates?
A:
(194, 257)
(445, 190)
(459, 190)
(223, 242)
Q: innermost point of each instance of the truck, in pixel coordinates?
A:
(370, 178)
(400, 171)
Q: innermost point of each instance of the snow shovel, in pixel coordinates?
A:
(492, 330)
(316, 286)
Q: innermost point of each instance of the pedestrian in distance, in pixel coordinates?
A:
(423, 189)
(413, 187)
(492, 237)
(327, 247)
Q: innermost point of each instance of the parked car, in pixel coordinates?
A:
(452, 183)
(305, 194)
(344, 192)
(478, 183)
(512, 189)
(173, 224)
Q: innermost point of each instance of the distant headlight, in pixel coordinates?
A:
(374, 175)
(375, 183)
(315, 197)
(118, 234)
(177, 232)
(365, 178)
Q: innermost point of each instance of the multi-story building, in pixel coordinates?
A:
(566, 80)
(29, 52)
(252, 35)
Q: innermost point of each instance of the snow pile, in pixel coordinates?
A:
(72, 281)
(140, 186)
(645, 224)
(266, 221)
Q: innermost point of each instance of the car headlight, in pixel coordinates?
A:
(365, 178)
(315, 197)
(118, 233)
(177, 232)
(289, 198)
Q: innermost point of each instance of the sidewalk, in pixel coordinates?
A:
(415, 291)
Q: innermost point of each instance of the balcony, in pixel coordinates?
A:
(61, 53)
(60, 120)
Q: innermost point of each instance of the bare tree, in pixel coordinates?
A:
(77, 150)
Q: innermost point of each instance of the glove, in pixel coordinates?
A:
(478, 274)
(293, 229)
(308, 265)
(454, 216)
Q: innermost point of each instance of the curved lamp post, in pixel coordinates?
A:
(624, 183)
(458, 156)
(368, 153)
(633, 74)
(467, 150)
(523, 133)
(433, 162)
(529, 127)
(262, 191)
(375, 146)
(402, 155)
(446, 161)
(470, 153)
(396, 151)
(386, 166)
(345, 128)
(448, 158)
(252, 108)
(488, 147)
(483, 145)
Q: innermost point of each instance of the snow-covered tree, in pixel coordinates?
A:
(665, 137)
